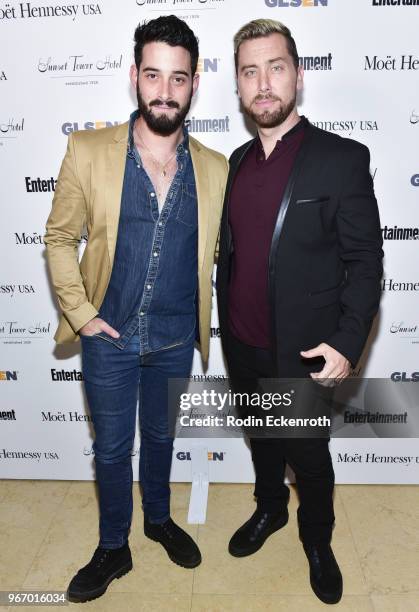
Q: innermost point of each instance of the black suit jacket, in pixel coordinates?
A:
(325, 261)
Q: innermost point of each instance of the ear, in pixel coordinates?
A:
(300, 78)
(133, 76)
(195, 83)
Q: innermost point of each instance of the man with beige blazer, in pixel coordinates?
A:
(151, 198)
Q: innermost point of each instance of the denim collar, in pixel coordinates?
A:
(132, 151)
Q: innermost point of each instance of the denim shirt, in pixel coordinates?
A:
(154, 277)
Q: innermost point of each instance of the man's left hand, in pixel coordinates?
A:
(336, 368)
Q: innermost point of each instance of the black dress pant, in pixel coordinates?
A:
(309, 458)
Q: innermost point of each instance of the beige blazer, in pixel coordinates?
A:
(88, 194)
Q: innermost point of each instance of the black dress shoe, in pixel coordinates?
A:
(92, 580)
(325, 576)
(252, 535)
(178, 544)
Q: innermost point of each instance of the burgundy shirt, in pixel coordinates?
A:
(256, 195)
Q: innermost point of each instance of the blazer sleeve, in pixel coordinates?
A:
(63, 233)
(360, 246)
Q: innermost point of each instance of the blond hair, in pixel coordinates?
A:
(259, 28)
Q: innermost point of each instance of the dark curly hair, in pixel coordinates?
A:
(170, 30)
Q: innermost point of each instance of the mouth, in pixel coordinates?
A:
(265, 102)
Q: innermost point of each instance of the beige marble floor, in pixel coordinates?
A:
(48, 529)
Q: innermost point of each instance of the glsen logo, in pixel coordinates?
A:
(38, 185)
(11, 128)
(347, 125)
(3, 76)
(395, 2)
(11, 290)
(65, 375)
(294, 3)
(33, 455)
(7, 415)
(389, 63)
(316, 62)
(13, 332)
(212, 456)
(25, 10)
(78, 64)
(414, 117)
(206, 64)
(404, 377)
(391, 285)
(8, 375)
(415, 180)
(208, 125)
(400, 233)
(67, 128)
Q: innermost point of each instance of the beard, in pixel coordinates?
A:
(162, 124)
(271, 119)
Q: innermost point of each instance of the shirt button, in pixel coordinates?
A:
(142, 314)
(155, 254)
(138, 165)
(149, 287)
(153, 195)
(160, 223)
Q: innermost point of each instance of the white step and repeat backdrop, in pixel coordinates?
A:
(64, 67)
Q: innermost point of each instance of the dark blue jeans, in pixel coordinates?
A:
(114, 379)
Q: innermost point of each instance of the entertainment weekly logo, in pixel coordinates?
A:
(27, 10)
(395, 2)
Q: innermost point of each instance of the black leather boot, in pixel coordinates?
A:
(325, 577)
(92, 580)
(178, 544)
(252, 535)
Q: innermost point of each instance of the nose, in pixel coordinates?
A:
(165, 89)
(264, 82)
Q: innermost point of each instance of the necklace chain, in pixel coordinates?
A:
(162, 166)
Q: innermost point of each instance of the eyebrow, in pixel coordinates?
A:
(151, 69)
(271, 61)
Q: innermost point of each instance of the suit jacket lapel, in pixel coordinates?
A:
(115, 169)
(200, 167)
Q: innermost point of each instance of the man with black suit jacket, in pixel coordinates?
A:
(298, 280)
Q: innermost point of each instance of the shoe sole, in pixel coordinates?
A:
(258, 546)
(75, 598)
(184, 564)
(324, 598)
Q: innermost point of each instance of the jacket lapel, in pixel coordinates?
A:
(200, 166)
(115, 169)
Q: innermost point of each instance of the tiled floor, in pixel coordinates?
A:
(48, 529)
